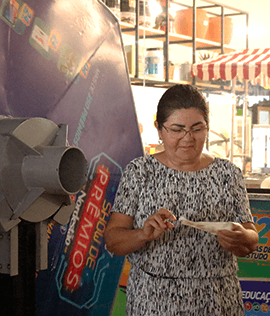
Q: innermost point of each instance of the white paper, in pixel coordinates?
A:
(211, 227)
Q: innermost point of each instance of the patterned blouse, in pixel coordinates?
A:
(215, 193)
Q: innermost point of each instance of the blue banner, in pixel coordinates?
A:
(256, 297)
(84, 276)
(64, 60)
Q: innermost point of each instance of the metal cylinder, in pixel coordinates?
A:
(59, 170)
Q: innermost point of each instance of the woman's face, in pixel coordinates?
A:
(180, 147)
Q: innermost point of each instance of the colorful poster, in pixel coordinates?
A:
(256, 297)
(16, 14)
(68, 62)
(71, 69)
(39, 38)
(257, 263)
(86, 275)
(119, 307)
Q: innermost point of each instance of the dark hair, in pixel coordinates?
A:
(181, 96)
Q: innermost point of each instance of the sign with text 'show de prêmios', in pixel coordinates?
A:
(72, 70)
(93, 219)
(86, 275)
(257, 263)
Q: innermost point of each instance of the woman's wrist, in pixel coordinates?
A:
(142, 237)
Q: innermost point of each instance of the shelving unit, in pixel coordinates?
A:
(174, 38)
(196, 44)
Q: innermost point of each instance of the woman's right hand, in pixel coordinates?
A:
(121, 237)
(156, 224)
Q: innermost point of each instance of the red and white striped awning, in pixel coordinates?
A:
(249, 64)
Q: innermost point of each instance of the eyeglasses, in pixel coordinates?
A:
(180, 133)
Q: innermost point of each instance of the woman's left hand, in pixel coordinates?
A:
(241, 240)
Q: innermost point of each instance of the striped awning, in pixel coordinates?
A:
(249, 64)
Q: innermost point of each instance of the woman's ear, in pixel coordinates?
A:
(158, 130)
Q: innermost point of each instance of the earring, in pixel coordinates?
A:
(160, 141)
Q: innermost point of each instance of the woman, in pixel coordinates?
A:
(177, 269)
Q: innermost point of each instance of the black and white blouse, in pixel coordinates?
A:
(216, 194)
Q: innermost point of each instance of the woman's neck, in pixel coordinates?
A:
(198, 163)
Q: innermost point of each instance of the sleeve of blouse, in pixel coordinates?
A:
(241, 201)
(127, 195)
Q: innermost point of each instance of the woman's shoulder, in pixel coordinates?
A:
(225, 162)
(141, 163)
(226, 166)
(141, 160)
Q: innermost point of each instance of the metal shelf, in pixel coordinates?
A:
(174, 38)
(196, 44)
